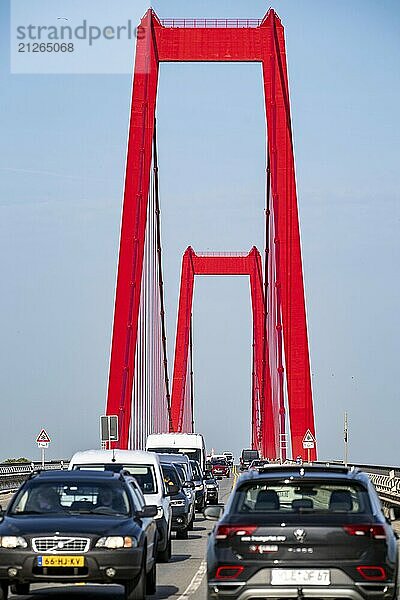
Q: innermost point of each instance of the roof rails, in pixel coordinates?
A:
(310, 468)
(125, 473)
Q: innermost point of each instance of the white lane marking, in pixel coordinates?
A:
(195, 582)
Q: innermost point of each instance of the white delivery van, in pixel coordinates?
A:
(145, 468)
(191, 444)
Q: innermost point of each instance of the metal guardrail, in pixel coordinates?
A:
(387, 483)
(386, 480)
(211, 23)
(13, 474)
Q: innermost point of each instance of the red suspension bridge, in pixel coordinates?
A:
(139, 387)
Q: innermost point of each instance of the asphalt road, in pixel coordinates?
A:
(183, 578)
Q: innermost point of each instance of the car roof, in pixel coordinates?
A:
(113, 456)
(67, 476)
(305, 472)
(173, 458)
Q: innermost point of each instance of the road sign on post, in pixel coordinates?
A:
(43, 440)
(308, 443)
(108, 429)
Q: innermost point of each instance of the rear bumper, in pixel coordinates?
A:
(224, 473)
(127, 565)
(341, 586)
(242, 591)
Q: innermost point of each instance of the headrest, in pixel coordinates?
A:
(341, 501)
(267, 500)
(300, 503)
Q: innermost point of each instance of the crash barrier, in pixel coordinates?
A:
(13, 474)
(386, 480)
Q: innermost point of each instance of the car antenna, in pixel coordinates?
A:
(113, 456)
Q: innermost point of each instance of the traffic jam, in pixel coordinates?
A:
(286, 531)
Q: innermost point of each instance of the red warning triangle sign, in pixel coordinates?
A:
(43, 437)
(308, 437)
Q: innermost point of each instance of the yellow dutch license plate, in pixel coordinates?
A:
(61, 561)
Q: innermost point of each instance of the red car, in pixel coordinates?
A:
(219, 467)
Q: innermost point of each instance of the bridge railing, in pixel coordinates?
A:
(386, 480)
(13, 474)
(210, 23)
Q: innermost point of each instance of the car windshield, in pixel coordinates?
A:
(71, 498)
(171, 476)
(181, 471)
(192, 453)
(144, 474)
(196, 470)
(289, 497)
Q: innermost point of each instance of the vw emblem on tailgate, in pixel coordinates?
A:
(299, 534)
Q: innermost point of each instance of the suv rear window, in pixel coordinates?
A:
(144, 474)
(249, 454)
(219, 461)
(290, 497)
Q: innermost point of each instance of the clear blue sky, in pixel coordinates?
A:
(62, 154)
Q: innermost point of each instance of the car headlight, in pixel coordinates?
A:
(160, 512)
(13, 541)
(117, 541)
(178, 503)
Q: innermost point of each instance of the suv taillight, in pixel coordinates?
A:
(222, 532)
(373, 531)
(372, 573)
(228, 572)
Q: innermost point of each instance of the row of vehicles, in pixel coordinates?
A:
(220, 465)
(109, 519)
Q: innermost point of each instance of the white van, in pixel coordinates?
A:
(191, 444)
(145, 467)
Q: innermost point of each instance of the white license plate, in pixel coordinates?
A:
(300, 577)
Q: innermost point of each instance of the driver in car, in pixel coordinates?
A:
(107, 498)
(46, 500)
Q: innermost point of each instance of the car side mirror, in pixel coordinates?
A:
(1, 513)
(188, 485)
(213, 513)
(172, 490)
(148, 511)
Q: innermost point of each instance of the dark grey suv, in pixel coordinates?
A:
(302, 532)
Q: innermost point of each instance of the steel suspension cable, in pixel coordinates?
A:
(266, 283)
(160, 273)
(191, 373)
